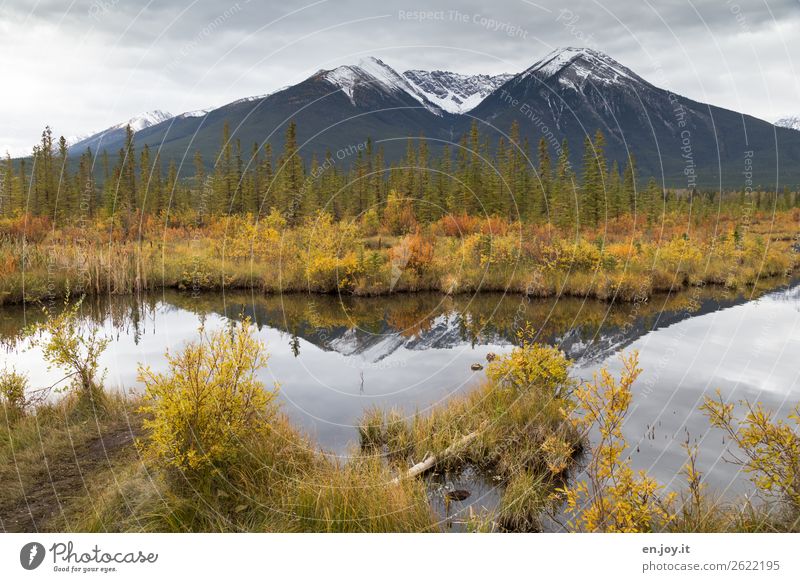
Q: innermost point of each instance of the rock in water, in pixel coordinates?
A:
(457, 495)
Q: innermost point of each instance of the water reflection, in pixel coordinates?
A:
(335, 356)
(748, 351)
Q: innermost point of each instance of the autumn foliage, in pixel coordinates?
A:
(210, 400)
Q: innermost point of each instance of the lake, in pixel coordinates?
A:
(335, 356)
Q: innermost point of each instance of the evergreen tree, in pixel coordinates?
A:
(614, 191)
(267, 200)
(476, 171)
(127, 195)
(425, 207)
(592, 208)
(291, 175)
(8, 204)
(224, 182)
(22, 181)
(564, 204)
(85, 186)
(544, 177)
(145, 196)
(628, 199)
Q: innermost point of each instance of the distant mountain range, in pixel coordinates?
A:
(99, 140)
(568, 94)
(583, 343)
(792, 122)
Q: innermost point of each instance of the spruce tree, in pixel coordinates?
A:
(145, 195)
(614, 191)
(544, 185)
(628, 199)
(290, 171)
(564, 206)
(590, 184)
(127, 179)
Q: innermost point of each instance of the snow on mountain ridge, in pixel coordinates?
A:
(207, 110)
(454, 92)
(196, 112)
(137, 123)
(791, 122)
(144, 120)
(373, 71)
(438, 91)
(572, 66)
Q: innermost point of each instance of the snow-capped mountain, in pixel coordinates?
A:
(574, 67)
(568, 94)
(792, 122)
(453, 92)
(205, 111)
(573, 92)
(139, 122)
(373, 74)
(437, 91)
(96, 140)
(195, 113)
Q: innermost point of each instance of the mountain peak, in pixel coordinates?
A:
(792, 122)
(137, 123)
(140, 122)
(454, 92)
(573, 65)
(368, 71)
(373, 73)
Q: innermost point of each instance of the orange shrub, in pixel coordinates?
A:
(414, 252)
(457, 225)
(495, 226)
(33, 228)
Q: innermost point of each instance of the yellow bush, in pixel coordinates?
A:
(210, 401)
(68, 345)
(680, 256)
(500, 251)
(370, 223)
(613, 498)
(532, 365)
(331, 260)
(579, 255)
(771, 447)
(13, 388)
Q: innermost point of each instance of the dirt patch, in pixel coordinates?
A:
(41, 506)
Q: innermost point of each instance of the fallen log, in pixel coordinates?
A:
(432, 460)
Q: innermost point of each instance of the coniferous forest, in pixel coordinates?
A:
(505, 179)
(351, 222)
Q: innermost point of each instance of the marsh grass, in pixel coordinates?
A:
(524, 441)
(59, 452)
(71, 465)
(282, 484)
(279, 481)
(325, 256)
(360, 496)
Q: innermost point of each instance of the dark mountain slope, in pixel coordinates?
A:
(573, 92)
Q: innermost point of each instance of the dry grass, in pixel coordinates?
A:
(622, 260)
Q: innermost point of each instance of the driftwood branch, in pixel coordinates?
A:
(432, 460)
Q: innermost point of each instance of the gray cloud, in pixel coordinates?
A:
(92, 63)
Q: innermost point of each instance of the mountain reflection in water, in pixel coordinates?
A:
(335, 356)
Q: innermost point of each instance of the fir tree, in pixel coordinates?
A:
(545, 181)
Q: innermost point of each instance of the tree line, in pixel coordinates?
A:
(470, 177)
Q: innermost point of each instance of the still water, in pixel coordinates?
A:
(335, 356)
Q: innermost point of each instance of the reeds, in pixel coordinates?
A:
(325, 256)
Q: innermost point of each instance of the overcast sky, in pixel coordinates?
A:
(87, 65)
